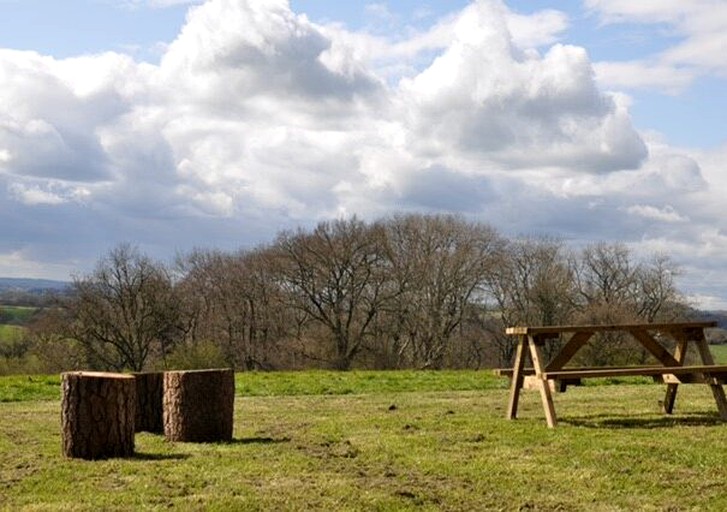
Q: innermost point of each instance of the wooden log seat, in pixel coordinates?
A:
(199, 405)
(97, 415)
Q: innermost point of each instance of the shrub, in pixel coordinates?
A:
(201, 355)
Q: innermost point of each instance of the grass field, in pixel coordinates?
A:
(719, 352)
(10, 333)
(385, 441)
(16, 314)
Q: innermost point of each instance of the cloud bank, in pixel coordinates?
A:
(257, 119)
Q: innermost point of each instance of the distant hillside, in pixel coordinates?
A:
(710, 316)
(11, 284)
(30, 292)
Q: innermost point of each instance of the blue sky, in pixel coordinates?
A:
(72, 27)
(175, 124)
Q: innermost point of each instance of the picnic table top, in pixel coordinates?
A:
(556, 329)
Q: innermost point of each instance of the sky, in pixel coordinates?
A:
(177, 124)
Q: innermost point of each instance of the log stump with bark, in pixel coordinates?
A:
(149, 402)
(199, 405)
(97, 415)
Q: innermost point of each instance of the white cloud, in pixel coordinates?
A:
(665, 214)
(239, 133)
(700, 249)
(49, 111)
(24, 263)
(539, 29)
(645, 11)
(699, 28)
(708, 302)
(520, 109)
(644, 75)
(396, 56)
(708, 204)
(35, 195)
(379, 10)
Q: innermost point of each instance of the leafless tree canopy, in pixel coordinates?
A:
(440, 267)
(408, 291)
(335, 277)
(124, 312)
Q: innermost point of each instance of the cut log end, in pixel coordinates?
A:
(97, 375)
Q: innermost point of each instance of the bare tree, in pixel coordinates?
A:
(606, 274)
(613, 288)
(210, 295)
(124, 311)
(423, 291)
(57, 351)
(233, 301)
(658, 298)
(533, 286)
(439, 264)
(269, 321)
(334, 276)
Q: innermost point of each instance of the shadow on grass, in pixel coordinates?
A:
(243, 441)
(644, 422)
(260, 440)
(159, 456)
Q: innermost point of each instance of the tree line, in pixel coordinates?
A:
(407, 291)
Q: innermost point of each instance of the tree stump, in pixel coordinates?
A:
(97, 415)
(199, 405)
(149, 402)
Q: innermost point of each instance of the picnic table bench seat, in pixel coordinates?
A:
(717, 371)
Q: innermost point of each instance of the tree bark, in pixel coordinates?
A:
(149, 402)
(199, 405)
(97, 415)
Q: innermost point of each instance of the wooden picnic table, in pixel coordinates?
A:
(670, 366)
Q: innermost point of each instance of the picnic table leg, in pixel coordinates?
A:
(545, 393)
(717, 390)
(517, 378)
(680, 353)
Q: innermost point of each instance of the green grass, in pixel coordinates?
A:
(24, 388)
(719, 353)
(357, 382)
(11, 333)
(16, 314)
(390, 441)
